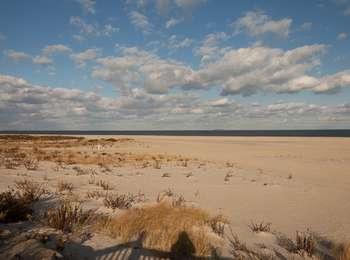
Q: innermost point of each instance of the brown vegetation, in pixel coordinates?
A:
(162, 224)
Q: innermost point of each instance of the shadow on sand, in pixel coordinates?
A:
(183, 248)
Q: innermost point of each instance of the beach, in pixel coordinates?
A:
(292, 183)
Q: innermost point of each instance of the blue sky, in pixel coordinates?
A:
(174, 64)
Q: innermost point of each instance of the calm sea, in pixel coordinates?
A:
(311, 133)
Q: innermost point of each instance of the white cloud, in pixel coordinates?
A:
(2, 37)
(163, 6)
(257, 23)
(27, 106)
(210, 47)
(175, 43)
(109, 29)
(342, 36)
(87, 5)
(42, 60)
(51, 49)
(189, 4)
(243, 71)
(306, 26)
(16, 55)
(140, 21)
(89, 29)
(82, 57)
(136, 68)
(172, 22)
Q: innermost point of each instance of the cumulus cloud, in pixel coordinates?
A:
(172, 22)
(87, 5)
(210, 47)
(306, 26)
(42, 60)
(27, 106)
(175, 43)
(257, 23)
(342, 36)
(91, 29)
(2, 37)
(140, 21)
(16, 55)
(189, 4)
(56, 48)
(136, 68)
(244, 71)
(82, 57)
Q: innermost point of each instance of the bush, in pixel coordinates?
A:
(119, 201)
(13, 208)
(29, 190)
(162, 227)
(67, 216)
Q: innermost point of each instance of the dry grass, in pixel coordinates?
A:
(240, 250)
(119, 201)
(31, 164)
(95, 194)
(345, 252)
(67, 216)
(64, 186)
(305, 243)
(260, 227)
(104, 185)
(13, 208)
(29, 190)
(162, 225)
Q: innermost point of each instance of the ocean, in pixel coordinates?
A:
(306, 133)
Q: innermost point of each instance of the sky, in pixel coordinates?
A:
(174, 64)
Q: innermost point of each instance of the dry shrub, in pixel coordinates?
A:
(13, 208)
(162, 226)
(67, 216)
(157, 164)
(31, 164)
(10, 163)
(240, 250)
(65, 186)
(305, 243)
(29, 190)
(119, 201)
(260, 227)
(95, 194)
(345, 252)
(105, 185)
(168, 195)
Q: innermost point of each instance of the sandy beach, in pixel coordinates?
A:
(294, 183)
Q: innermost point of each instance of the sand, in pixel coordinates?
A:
(294, 183)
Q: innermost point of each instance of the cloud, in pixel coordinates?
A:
(82, 57)
(210, 47)
(172, 22)
(88, 6)
(342, 36)
(257, 23)
(136, 68)
(306, 26)
(243, 71)
(189, 4)
(163, 6)
(140, 21)
(56, 48)
(42, 60)
(2, 37)
(27, 106)
(88, 29)
(175, 43)
(16, 55)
